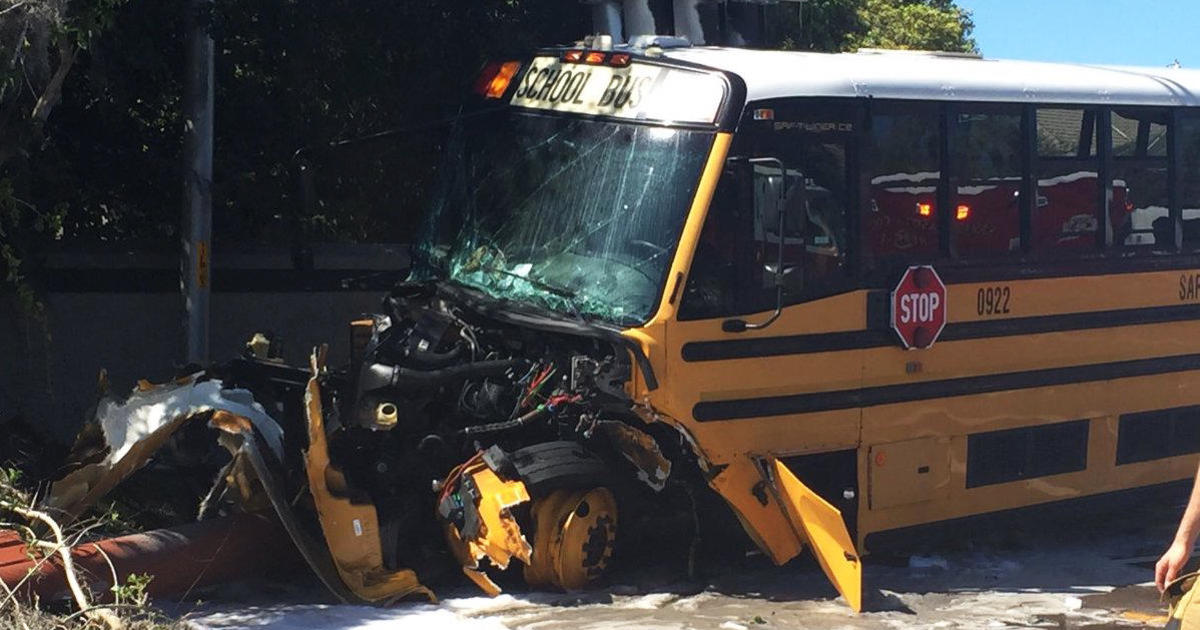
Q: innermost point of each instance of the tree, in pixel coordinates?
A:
(819, 25)
(39, 43)
(915, 25)
(846, 25)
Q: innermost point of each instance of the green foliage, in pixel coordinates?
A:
(10, 481)
(846, 25)
(133, 591)
(820, 25)
(915, 25)
(88, 20)
(39, 43)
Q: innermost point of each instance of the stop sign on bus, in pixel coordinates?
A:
(919, 307)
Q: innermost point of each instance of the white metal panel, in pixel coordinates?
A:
(905, 75)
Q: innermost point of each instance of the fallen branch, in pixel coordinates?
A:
(112, 569)
(33, 571)
(102, 615)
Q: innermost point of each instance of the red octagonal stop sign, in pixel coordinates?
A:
(919, 307)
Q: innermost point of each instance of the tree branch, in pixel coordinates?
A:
(16, 5)
(53, 93)
(102, 615)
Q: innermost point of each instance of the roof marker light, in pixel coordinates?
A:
(573, 56)
(962, 212)
(493, 81)
(595, 58)
(620, 60)
(764, 114)
(925, 209)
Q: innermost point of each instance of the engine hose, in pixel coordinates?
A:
(541, 411)
(380, 375)
(431, 359)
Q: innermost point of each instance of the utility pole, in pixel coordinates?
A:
(196, 265)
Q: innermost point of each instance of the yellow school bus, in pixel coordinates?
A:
(1059, 203)
(657, 265)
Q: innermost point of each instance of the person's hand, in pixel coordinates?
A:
(1170, 564)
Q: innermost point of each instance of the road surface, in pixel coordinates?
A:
(1091, 575)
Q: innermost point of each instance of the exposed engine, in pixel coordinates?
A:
(462, 431)
(435, 384)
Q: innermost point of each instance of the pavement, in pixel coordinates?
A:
(1090, 574)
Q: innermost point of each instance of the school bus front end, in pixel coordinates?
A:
(583, 194)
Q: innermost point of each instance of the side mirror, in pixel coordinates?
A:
(770, 182)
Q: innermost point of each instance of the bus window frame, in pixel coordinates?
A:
(849, 278)
(1145, 160)
(863, 272)
(953, 178)
(1086, 150)
(1175, 161)
(998, 266)
(864, 263)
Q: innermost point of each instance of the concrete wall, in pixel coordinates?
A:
(122, 312)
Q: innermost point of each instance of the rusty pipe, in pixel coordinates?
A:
(179, 558)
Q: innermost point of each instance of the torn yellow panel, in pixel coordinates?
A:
(499, 537)
(641, 450)
(469, 563)
(826, 533)
(741, 484)
(349, 522)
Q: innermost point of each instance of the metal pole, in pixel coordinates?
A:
(606, 19)
(195, 273)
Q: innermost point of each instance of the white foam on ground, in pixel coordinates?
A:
(329, 617)
(653, 601)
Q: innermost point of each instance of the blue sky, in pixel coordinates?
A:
(1130, 32)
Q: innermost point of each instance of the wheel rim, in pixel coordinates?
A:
(574, 540)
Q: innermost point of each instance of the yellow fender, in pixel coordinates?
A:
(826, 533)
(348, 521)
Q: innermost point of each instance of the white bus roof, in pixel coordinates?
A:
(932, 76)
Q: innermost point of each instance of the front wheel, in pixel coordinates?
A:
(574, 538)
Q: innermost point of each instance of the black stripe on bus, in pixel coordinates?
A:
(862, 339)
(909, 392)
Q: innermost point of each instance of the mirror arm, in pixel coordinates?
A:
(741, 325)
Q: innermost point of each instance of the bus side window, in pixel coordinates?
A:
(1138, 210)
(1189, 177)
(902, 165)
(814, 139)
(985, 208)
(734, 263)
(722, 281)
(817, 202)
(1064, 212)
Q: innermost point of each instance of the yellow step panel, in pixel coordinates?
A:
(825, 530)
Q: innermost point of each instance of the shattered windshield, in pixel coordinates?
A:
(579, 216)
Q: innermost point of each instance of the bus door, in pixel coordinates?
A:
(742, 391)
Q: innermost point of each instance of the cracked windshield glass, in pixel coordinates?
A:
(579, 216)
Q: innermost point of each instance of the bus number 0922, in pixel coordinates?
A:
(993, 301)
